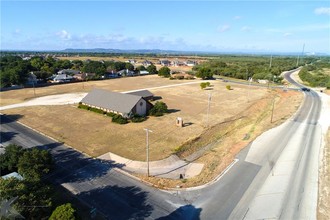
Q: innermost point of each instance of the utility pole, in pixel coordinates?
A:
(147, 141)
(271, 118)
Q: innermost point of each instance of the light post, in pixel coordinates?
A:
(272, 114)
(147, 143)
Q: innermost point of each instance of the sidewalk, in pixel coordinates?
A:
(171, 167)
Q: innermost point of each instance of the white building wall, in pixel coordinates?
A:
(141, 107)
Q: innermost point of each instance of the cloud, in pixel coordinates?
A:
(246, 29)
(237, 17)
(322, 11)
(287, 34)
(63, 34)
(223, 28)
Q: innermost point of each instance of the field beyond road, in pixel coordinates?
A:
(235, 118)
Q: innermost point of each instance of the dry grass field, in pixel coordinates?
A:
(95, 134)
(324, 183)
(120, 84)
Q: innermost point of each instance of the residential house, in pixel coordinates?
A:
(126, 72)
(146, 63)
(165, 62)
(68, 72)
(191, 63)
(120, 103)
(144, 72)
(131, 61)
(63, 78)
(32, 79)
(12, 175)
(177, 63)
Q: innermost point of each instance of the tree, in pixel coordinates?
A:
(37, 62)
(152, 69)
(35, 163)
(204, 73)
(159, 109)
(203, 85)
(164, 71)
(9, 159)
(129, 66)
(94, 67)
(140, 68)
(34, 198)
(63, 212)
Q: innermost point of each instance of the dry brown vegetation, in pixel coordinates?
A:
(236, 117)
(324, 183)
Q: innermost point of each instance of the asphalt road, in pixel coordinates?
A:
(99, 184)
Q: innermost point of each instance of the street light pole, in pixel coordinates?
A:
(147, 141)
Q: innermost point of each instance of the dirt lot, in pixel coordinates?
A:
(324, 184)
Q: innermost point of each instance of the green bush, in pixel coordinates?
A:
(97, 110)
(63, 212)
(110, 114)
(228, 87)
(159, 109)
(119, 119)
(138, 118)
(83, 106)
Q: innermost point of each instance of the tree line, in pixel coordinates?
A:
(315, 74)
(14, 70)
(241, 67)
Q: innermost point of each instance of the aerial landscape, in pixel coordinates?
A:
(165, 109)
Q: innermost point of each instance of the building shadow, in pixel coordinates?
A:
(156, 98)
(115, 202)
(187, 212)
(186, 124)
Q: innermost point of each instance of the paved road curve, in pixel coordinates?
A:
(239, 194)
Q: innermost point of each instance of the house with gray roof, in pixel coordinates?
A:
(119, 103)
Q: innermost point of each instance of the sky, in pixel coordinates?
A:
(211, 26)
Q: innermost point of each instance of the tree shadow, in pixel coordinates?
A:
(73, 166)
(7, 136)
(5, 119)
(169, 111)
(187, 212)
(115, 202)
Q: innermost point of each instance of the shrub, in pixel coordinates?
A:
(159, 109)
(110, 114)
(119, 119)
(228, 87)
(65, 211)
(138, 118)
(97, 110)
(83, 106)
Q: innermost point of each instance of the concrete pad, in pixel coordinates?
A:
(193, 169)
